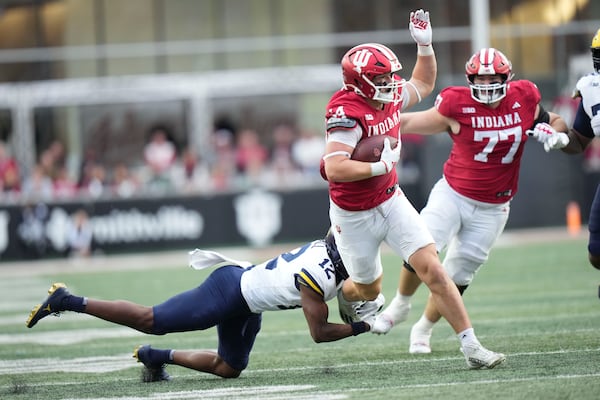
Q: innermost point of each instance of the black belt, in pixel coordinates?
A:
(332, 251)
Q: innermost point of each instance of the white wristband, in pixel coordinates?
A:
(378, 168)
(425, 50)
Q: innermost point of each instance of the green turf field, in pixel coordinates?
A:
(537, 303)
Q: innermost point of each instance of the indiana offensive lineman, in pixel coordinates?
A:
(585, 128)
(366, 205)
(469, 206)
(233, 298)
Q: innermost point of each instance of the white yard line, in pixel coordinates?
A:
(293, 392)
(120, 361)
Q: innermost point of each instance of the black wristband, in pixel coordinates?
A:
(358, 327)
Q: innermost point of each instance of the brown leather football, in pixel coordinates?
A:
(369, 149)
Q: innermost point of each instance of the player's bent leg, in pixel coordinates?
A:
(409, 280)
(369, 291)
(354, 291)
(205, 361)
(446, 297)
(155, 360)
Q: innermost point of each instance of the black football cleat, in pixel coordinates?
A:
(150, 372)
(52, 304)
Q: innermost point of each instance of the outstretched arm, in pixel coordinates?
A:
(316, 313)
(427, 122)
(551, 134)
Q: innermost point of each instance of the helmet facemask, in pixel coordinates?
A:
(595, 49)
(596, 58)
(388, 92)
(487, 93)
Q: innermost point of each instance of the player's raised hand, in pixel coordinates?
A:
(548, 136)
(420, 27)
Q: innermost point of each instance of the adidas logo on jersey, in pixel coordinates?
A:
(516, 105)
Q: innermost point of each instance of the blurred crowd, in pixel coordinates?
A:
(235, 161)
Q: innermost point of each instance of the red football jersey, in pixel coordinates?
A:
(486, 153)
(346, 105)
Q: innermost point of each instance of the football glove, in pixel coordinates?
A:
(420, 27)
(547, 135)
(388, 160)
(595, 123)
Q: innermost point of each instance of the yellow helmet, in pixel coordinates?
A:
(595, 48)
(596, 40)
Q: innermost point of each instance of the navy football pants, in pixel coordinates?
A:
(217, 301)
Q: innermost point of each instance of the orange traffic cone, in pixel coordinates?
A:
(573, 218)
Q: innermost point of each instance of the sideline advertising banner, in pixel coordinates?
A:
(253, 218)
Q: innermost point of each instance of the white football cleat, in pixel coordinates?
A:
(396, 311)
(419, 341)
(479, 357)
(382, 324)
(393, 314)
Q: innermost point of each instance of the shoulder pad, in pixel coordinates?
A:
(585, 81)
(341, 123)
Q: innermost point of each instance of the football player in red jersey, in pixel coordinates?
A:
(469, 206)
(586, 127)
(366, 205)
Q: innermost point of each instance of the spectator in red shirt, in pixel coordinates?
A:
(10, 178)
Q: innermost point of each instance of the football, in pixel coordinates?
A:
(369, 149)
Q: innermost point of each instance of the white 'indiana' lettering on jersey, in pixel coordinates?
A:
(384, 126)
(496, 121)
